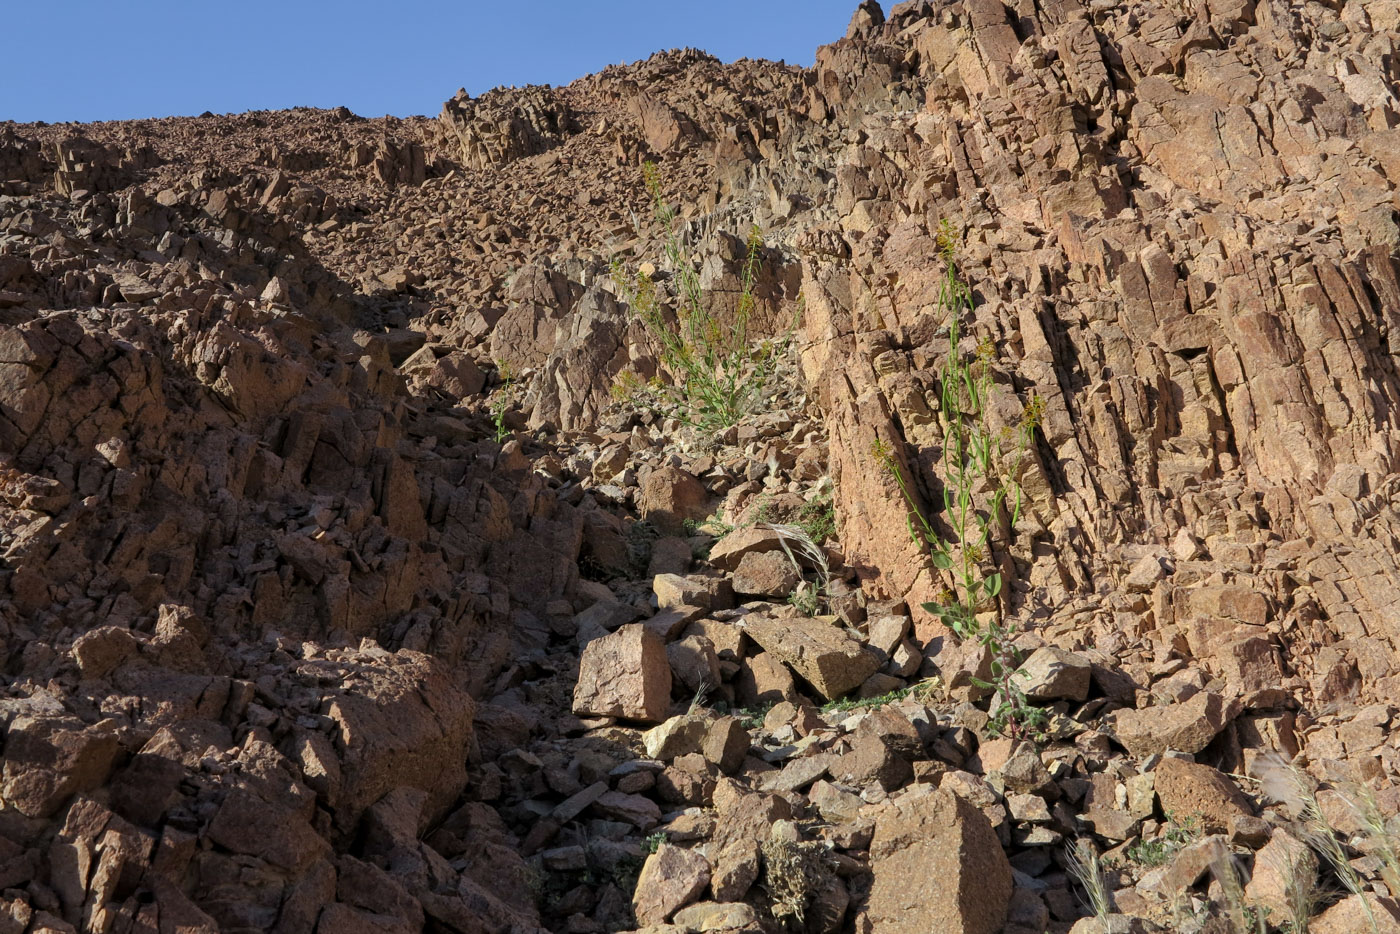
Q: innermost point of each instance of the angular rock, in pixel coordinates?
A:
(1050, 673)
(1188, 726)
(1191, 789)
(671, 878)
(766, 574)
(824, 654)
(936, 835)
(624, 674)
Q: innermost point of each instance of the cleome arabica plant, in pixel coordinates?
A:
(717, 376)
(979, 466)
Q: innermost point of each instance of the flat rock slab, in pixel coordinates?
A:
(830, 659)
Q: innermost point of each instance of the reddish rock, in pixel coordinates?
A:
(824, 654)
(935, 834)
(671, 878)
(624, 674)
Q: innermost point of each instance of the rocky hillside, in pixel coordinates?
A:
(340, 592)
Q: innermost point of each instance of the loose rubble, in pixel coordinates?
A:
(339, 592)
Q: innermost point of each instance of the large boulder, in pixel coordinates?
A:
(938, 868)
(831, 660)
(625, 674)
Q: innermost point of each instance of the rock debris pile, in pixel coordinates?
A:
(339, 592)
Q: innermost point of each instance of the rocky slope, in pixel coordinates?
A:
(297, 640)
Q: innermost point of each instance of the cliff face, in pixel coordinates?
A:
(294, 642)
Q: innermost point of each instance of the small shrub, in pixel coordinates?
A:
(818, 517)
(717, 377)
(1157, 851)
(502, 399)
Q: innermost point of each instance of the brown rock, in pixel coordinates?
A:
(50, 759)
(1189, 789)
(249, 825)
(669, 496)
(1349, 916)
(821, 652)
(1277, 863)
(625, 674)
(1188, 726)
(671, 878)
(729, 551)
(766, 574)
(1050, 673)
(936, 835)
(744, 820)
(764, 679)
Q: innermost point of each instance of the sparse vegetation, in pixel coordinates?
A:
(1084, 864)
(980, 490)
(843, 704)
(717, 376)
(817, 518)
(502, 399)
(1160, 849)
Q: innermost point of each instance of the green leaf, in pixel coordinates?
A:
(993, 584)
(942, 560)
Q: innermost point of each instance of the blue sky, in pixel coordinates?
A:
(121, 59)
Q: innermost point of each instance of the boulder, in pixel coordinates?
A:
(1188, 726)
(624, 674)
(937, 868)
(671, 878)
(765, 574)
(669, 496)
(726, 553)
(828, 657)
(1191, 789)
(1051, 673)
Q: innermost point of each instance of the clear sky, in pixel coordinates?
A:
(121, 59)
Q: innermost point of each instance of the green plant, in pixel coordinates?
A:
(502, 399)
(795, 541)
(806, 598)
(843, 704)
(975, 467)
(654, 841)
(1157, 851)
(1084, 864)
(817, 517)
(717, 377)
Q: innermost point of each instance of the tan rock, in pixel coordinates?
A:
(671, 878)
(935, 835)
(1191, 789)
(765, 574)
(625, 674)
(1051, 673)
(1188, 726)
(821, 652)
(726, 553)
(669, 496)
(1349, 916)
(1280, 861)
